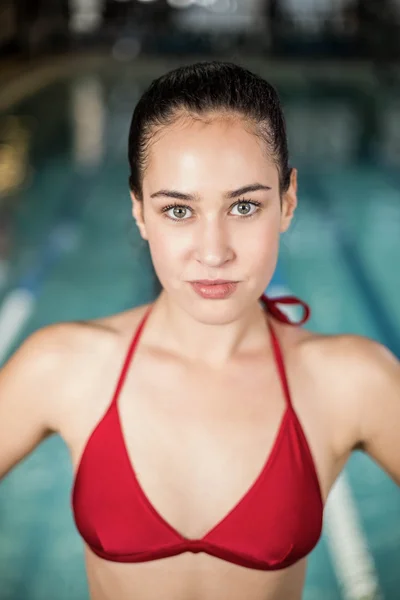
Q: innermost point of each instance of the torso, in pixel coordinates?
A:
(221, 419)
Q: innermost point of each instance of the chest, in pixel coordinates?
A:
(198, 441)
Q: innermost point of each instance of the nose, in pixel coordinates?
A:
(213, 247)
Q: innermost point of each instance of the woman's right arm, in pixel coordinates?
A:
(27, 384)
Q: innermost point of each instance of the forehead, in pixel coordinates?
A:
(215, 153)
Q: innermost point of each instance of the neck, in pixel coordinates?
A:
(214, 345)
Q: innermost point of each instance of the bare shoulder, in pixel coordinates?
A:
(60, 362)
(365, 382)
(53, 382)
(72, 339)
(355, 376)
(355, 357)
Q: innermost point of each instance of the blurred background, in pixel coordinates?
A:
(71, 72)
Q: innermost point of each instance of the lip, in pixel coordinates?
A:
(213, 281)
(217, 290)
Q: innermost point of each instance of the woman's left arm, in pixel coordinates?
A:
(379, 406)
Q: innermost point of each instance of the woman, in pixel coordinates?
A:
(205, 430)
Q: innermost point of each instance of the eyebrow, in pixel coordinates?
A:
(254, 187)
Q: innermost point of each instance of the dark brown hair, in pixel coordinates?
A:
(201, 89)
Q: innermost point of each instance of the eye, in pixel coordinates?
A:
(244, 207)
(178, 212)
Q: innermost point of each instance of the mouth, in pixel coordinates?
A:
(213, 281)
(214, 289)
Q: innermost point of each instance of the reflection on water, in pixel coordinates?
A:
(14, 154)
(88, 121)
(86, 15)
(15, 174)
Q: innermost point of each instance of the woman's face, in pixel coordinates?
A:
(218, 229)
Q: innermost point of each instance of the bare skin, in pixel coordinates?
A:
(211, 451)
(216, 392)
(81, 362)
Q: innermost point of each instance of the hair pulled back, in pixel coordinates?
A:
(200, 90)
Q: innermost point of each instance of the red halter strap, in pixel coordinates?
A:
(272, 306)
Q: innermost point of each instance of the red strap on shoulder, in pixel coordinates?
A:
(129, 354)
(272, 306)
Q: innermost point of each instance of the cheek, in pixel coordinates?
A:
(167, 249)
(260, 250)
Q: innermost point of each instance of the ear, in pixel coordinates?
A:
(289, 202)
(138, 215)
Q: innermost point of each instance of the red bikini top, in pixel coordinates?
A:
(274, 524)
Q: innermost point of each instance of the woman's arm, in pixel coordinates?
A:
(378, 404)
(27, 384)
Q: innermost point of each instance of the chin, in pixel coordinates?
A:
(215, 316)
(215, 312)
